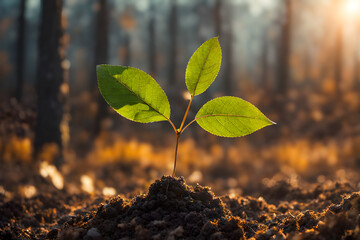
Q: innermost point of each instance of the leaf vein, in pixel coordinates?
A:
(132, 92)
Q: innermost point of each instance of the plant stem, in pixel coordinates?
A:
(172, 125)
(186, 113)
(188, 125)
(176, 148)
(179, 131)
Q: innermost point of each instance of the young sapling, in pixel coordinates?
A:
(136, 96)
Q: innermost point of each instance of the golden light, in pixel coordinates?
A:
(48, 170)
(109, 191)
(352, 7)
(29, 191)
(87, 184)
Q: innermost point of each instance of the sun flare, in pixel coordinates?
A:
(352, 7)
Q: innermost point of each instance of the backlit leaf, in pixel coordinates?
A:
(133, 93)
(203, 67)
(231, 117)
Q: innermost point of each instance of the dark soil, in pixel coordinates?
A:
(174, 210)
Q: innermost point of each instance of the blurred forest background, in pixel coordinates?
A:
(298, 61)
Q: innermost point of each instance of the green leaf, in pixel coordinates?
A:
(203, 67)
(133, 93)
(231, 117)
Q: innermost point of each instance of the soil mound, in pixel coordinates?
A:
(171, 210)
(174, 210)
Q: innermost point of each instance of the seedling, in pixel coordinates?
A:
(136, 96)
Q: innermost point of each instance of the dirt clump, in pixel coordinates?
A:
(170, 210)
(319, 213)
(174, 210)
(41, 216)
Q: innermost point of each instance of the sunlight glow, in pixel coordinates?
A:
(352, 7)
(87, 184)
(48, 170)
(29, 191)
(195, 177)
(109, 191)
(186, 95)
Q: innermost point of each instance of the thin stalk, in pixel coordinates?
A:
(172, 124)
(176, 149)
(188, 125)
(179, 131)
(186, 113)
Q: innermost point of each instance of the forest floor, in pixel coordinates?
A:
(171, 209)
(297, 180)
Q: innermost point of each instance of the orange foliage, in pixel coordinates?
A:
(17, 149)
(302, 154)
(49, 152)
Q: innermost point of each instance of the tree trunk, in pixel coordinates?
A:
(228, 68)
(173, 43)
(152, 40)
(265, 63)
(223, 29)
(357, 73)
(228, 52)
(127, 46)
(217, 16)
(51, 88)
(20, 52)
(101, 35)
(284, 50)
(202, 10)
(101, 57)
(338, 59)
